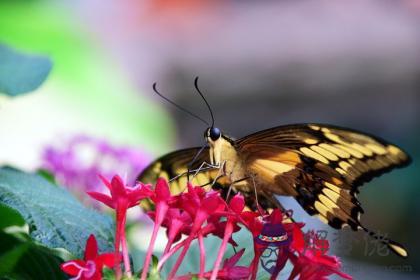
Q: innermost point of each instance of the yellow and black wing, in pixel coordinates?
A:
(174, 167)
(322, 166)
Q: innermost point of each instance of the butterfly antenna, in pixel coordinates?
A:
(177, 106)
(205, 100)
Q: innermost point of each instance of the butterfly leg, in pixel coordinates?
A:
(201, 168)
(252, 176)
(220, 173)
(231, 186)
(206, 166)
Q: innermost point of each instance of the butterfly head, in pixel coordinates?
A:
(214, 139)
(212, 134)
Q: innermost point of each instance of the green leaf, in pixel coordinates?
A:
(154, 272)
(21, 73)
(23, 259)
(55, 218)
(9, 259)
(108, 274)
(47, 175)
(10, 217)
(155, 262)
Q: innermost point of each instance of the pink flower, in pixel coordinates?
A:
(273, 224)
(176, 222)
(162, 198)
(91, 266)
(229, 270)
(312, 263)
(122, 197)
(77, 163)
(200, 205)
(236, 206)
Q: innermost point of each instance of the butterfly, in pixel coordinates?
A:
(321, 166)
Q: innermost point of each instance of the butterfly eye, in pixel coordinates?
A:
(215, 133)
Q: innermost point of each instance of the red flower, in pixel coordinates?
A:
(236, 206)
(162, 198)
(228, 272)
(219, 227)
(276, 221)
(176, 222)
(91, 266)
(200, 205)
(122, 197)
(311, 262)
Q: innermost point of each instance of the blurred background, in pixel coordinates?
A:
(261, 64)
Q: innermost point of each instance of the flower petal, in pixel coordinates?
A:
(276, 217)
(212, 204)
(238, 272)
(107, 259)
(162, 192)
(105, 181)
(118, 187)
(142, 192)
(237, 203)
(73, 267)
(91, 250)
(234, 259)
(105, 199)
(298, 241)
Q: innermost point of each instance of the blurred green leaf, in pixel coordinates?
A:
(55, 218)
(10, 217)
(47, 175)
(108, 274)
(21, 73)
(23, 259)
(9, 259)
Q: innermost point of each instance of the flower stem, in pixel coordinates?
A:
(167, 247)
(161, 210)
(121, 213)
(227, 235)
(198, 222)
(125, 250)
(202, 255)
(180, 258)
(166, 256)
(176, 227)
(149, 252)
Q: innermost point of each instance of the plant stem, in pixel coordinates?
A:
(149, 252)
(180, 258)
(124, 248)
(166, 256)
(202, 255)
(120, 212)
(161, 209)
(198, 222)
(227, 235)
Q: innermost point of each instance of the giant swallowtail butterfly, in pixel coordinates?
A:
(321, 166)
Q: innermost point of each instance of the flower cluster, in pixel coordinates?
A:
(77, 163)
(196, 214)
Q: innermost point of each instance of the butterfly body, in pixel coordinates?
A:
(321, 166)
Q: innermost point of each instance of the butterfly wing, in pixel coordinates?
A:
(174, 167)
(322, 166)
